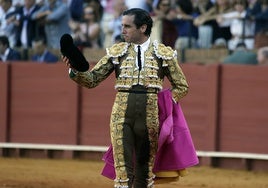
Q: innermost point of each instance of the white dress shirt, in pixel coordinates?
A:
(143, 48)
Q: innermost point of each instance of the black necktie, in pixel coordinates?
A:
(139, 57)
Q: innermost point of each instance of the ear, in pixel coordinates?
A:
(143, 28)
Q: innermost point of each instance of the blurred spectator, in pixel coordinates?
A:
(8, 21)
(187, 32)
(201, 6)
(218, 31)
(87, 33)
(40, 52)
(28, 28)
(6, 52)
(111, 23)
(242, 30)
(107, 6)
(55, 14)
(204, 30)
(97, 6)
(40, 2)
(164, 29)
(258, 11)
(262, 55)
(149, 5)
(17, 3)
(219, 43)
(261, 18)
(241, 55)
(76, 9)
(143, 4)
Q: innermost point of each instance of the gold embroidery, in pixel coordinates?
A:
(128, 77)
(117, 120)
(129, 72)
(164, 52)
(117, 50)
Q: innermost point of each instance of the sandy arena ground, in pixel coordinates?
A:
(41, 173)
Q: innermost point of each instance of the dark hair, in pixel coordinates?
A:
(94, 12)
(186, 6)
(40, 39)
(141, 17)
(159, 4)
(4, 40)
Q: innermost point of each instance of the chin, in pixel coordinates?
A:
(126, 39)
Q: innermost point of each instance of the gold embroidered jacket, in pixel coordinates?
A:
(159, 61)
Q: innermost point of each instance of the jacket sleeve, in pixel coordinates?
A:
(94, 77)
(172, 70)
(177, 79)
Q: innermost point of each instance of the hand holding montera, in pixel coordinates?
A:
(72, 56)
(66, 61)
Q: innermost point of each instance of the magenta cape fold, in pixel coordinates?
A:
(176, 150)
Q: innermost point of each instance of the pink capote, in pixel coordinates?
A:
(176, 150)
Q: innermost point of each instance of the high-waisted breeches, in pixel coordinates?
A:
(134, 133)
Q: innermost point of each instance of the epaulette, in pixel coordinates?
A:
(117, 50)
(164, 52)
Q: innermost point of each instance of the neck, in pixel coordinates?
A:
(142, 40)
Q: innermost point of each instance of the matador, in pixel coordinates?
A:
(134, 123)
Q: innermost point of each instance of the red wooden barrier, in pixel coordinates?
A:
(43, 104)
(243, 113)
(4, 102)
(244, 109)
(226, 108)
(96, 106)
(200, 105)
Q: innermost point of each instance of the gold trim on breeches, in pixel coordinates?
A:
(116, 127)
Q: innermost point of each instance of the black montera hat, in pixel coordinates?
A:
(68, 49)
